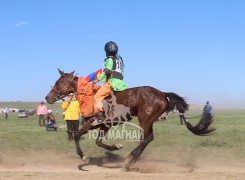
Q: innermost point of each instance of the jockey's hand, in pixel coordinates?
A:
(95, 81)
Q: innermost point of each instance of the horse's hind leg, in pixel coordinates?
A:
(102, 132)
(146, 138)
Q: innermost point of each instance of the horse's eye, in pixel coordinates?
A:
(56, 83)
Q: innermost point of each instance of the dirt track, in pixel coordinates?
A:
(54, 167)
(106, 173)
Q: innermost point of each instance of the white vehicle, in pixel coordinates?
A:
(23, 114)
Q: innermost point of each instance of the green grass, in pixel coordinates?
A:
(173, 142)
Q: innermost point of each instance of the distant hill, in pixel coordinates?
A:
(28, 105)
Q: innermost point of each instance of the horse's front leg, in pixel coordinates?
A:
(77, 137)
(102, 132)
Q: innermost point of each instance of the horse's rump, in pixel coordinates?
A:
(85, 91)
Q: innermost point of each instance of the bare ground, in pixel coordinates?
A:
(66, 166)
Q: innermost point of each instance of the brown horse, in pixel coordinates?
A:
(146, 103)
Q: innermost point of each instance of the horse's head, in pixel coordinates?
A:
(63, 86)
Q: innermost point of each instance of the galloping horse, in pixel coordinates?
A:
(146, 103)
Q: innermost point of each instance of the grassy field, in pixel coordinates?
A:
(172, 143)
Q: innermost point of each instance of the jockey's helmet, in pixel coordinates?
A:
(111, 48)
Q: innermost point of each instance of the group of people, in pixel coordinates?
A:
(45, 115)
(71, 115)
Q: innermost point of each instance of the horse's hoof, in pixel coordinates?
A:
(125, 169)
(119, 146)
(80, 167)
(134, 169)
(85, 159)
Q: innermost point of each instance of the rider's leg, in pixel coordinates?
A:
(103, 92)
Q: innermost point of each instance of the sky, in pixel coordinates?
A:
(195, 49)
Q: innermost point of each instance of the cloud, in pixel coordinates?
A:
(20, 24)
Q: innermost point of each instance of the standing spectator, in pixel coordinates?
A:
(6, 111)
(72, 114)
(41, 112)
(207, 110)
(181, 117)
(50, 121)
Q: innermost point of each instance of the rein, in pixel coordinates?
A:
(67, 87)
(189, 117)
(193, 117)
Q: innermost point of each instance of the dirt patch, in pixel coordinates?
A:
(65, 166)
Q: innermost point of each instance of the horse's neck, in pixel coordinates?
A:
(74, 83)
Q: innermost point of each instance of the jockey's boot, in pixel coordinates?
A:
(100, 116)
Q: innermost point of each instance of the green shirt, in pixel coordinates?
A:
(116, 84)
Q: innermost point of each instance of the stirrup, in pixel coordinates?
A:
(96, 122)
(100, 117)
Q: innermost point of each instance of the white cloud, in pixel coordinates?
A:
(19, 24)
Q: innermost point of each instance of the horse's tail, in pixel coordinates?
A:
(177, 102)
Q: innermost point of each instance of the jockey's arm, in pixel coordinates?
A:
(107, 71)
(108, 65)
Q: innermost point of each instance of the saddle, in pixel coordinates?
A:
(112, 110)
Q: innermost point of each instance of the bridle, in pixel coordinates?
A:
(67, 88)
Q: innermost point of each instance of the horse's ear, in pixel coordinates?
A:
(61, 72)
(72, 73)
